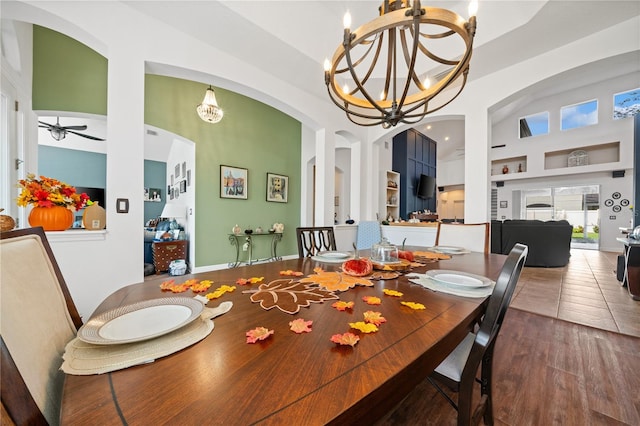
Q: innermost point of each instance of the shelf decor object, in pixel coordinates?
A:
(384, 71)
(578, 158)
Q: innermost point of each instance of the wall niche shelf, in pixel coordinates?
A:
(516, 165)
(596, 154)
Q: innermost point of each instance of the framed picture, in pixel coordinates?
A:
(177, 170)
(189, 177)
(184, 169)
(277, 188)
(152, 194)
(183, 185)
(233, 182)
(503, 204)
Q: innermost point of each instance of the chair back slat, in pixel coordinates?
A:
(313, 240)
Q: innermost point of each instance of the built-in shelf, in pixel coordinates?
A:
(392, 194)
(512, 164)
(596, 154)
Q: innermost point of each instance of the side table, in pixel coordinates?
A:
(166, 251)
(237, 240)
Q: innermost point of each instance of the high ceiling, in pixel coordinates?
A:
(278, 34)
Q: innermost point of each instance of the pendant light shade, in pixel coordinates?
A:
(209, 110)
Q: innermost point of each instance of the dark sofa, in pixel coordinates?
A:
(549, 242)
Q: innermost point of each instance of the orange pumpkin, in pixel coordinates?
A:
(56, 218)
(357, 267)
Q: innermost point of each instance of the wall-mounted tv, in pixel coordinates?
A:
(426, 187)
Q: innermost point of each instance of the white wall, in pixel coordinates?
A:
(607, 130)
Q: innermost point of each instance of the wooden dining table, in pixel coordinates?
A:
(288, 378)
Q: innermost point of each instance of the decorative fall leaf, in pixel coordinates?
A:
(343, 306)
(289, 272)
(202, 286)
(364, 327)
(372, 317)
(300, 326)
(259, 333)
(289, 295)
(166, 285)
(335, 281)
(345, 339)
(413, 305)
(171, 286)
(252, 280)
(372, 300)
(220, 291)
(393, 293)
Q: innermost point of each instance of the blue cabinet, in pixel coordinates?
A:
(414, 154)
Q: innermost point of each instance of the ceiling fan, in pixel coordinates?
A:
(59, 132)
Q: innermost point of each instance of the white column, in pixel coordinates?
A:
(477, 171)
(355, 184)
(325, 177)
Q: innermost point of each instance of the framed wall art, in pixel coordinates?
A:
(277, 188)
(233, 182)
(152, 194)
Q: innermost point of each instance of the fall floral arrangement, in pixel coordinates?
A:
(49, 192)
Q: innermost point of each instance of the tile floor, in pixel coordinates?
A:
(585, 292)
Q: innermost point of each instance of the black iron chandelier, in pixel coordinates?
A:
(408, 62)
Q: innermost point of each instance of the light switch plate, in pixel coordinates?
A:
(122, 205)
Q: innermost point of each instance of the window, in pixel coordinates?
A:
(579, 115)
(626, 104)
(534, 125)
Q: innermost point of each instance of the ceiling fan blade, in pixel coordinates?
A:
(46, 124)
(86, 136)
(82, 127)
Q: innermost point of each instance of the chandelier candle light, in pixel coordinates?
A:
(209, 110)
(408, 62)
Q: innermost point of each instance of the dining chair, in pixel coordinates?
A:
(312, 240)
(459, 370)
(38, 319)
(368, 233)
(471, 236)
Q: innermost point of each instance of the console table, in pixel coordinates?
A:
(239, 240)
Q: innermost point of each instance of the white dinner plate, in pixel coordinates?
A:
(457, 278)
(334, 254)
(140, 321)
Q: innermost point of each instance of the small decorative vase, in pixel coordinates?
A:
(236, 230)
(56, 218)
(505, 169)
(94, 217)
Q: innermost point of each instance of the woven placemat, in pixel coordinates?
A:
(81, 358)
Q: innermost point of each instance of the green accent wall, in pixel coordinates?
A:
(252, 135)
(67, 75)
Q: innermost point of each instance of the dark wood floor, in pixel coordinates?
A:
(564, 356)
